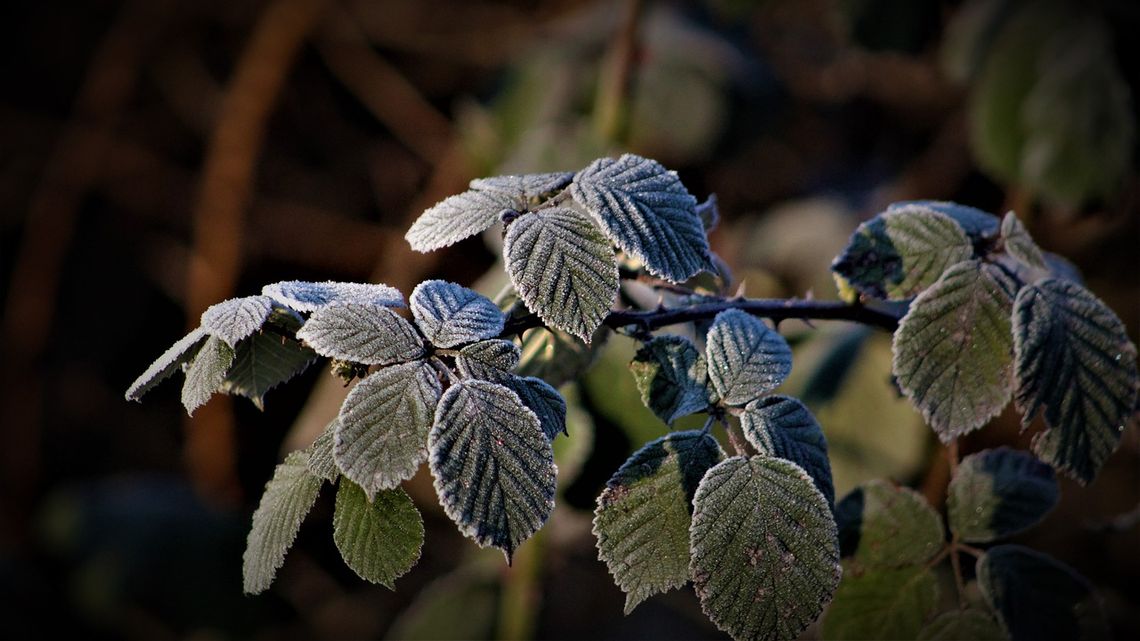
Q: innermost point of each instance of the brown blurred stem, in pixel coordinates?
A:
(612, 104)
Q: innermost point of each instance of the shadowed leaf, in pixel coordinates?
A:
(957, 625)
(783, 427)
(1019, 244)
(882, 526)
(672, 377)
(998, 493)
(380, 539)
(886, 603)
(975, 222)
(487, 360)
(264, 361)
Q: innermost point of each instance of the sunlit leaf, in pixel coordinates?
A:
(885, 603)
(264, 361)
(958, 625)
(883, 526)
(237, 318)
(745, 357)
(207, 373)
(782, 427)
(643, 516)
(765, 559)
(164, 366)
(288, 497)
(1019, 244)
(379, 538)
(365, 334)
(998, 493)
(322, 461)
(1075, 362)
(304, 296)
(449, 315)
(976, 223)
(672, 377)
(953, 350)
(646, 211)
(488, 359)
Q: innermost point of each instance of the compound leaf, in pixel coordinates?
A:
(288, 497)
(646, 211)
(643, 516)
(262, 362)
(1037, 597)
(563, 268)
(783, 427)
(765, 558)
(886, 603)
(672, 377)
(164, 366)
(322, 461)
(493, 466)
(883, 526)
(745, 357)
(976, 223)
(998, 493)
(206, 374)
(237, 318)
(449, 314)
(1019, 244)
(952, 350)
(1074, 359)
(957, 625)
(379, 537)
(488, 360)
(381, 438)
(475, 210)
(305, 296)
(359, 333)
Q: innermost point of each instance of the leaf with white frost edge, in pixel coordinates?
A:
(745, 357)
(383, 425)
(449, 314)
(380, 538)
(672, 376)
(886, 603)
(322, 463)
(288, 497)
(206, 374)
(783, 427)
(884, 525)
(998, 493)
(646, 211)
(976, 223)
(563, 268)
(487, 360)
(953, 350)
(1075, 362)
(475, 210)
(262, 362)
(493, 466)
(765, 557)
(237, 318)
(542, 399)
(643, 516)
(362, 334)
(305, 296)
(164, 366)
(1019, 244)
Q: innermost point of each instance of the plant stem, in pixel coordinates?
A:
(518, 601)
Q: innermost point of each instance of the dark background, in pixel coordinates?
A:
(158, 156)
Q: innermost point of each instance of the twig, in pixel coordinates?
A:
(610, 109)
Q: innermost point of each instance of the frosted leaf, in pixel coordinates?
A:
(384, 422)
(164, 366)
(672, 377)
(449, 314)
(563, 268)
(304, 296)
(883, 525)
(975, 222)
(783, 427)
(1075, 362)
(262, 362)
(886, 603)
(288, 497)
(643, 516)
(998, 493)
(952, 350)
(236, 318)
(745, 357)
(493, 466)
(765, 558)
(206, 373)
(542, 399)
(646, 211)
(1019, 244)
(362, 334)
(487, 359)
(464, 215)
(709, 213)
(379, 537)
(322, 463)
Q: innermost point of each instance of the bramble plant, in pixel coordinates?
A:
(979, 314)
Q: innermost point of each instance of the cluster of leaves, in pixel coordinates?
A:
(989, 317)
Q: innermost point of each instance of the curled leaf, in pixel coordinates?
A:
(305, 296)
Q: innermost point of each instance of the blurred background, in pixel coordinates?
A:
(157, 156)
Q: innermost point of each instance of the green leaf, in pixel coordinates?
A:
(384, 422)
(765, 559)
(304, 296)
(783, 427)
(977, 224)
(487, 360)
(237, 318)
(365, 334)
(886, 603)
(1019, 244)
(493, 466)
(1037, 597)
(883, 525)
(381, 538)
(288, 497)
(643, 516)
(672, 377)
(957, 625)
(262, 362)
(646, 211)
(998, 493)
(1074, 360)
(953, 350)
(542, 399)
(902, 251)
(322, 462)
(563, 268)
(450, 315)
(206, 374)
(164, 366)
(475, 210)
(745, 357)
(462, 604)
